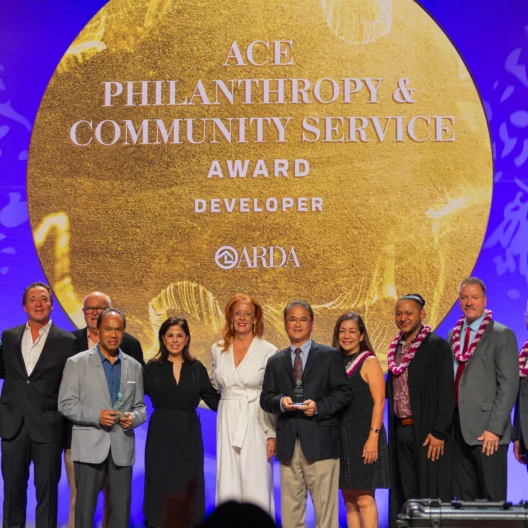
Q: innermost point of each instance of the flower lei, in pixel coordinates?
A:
(409, 355)
(523, 370)
(358, 360)
(460, 357)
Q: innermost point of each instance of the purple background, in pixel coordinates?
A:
(492, 38)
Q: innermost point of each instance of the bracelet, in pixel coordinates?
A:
(374, 430)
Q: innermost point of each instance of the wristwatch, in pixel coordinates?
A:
(374, 430)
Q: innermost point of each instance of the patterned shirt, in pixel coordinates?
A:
(402, 398)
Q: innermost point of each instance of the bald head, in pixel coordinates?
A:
(94, 305)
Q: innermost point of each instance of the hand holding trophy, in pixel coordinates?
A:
(122, 417)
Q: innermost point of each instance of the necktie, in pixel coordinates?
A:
(297, 368)
(462, 366)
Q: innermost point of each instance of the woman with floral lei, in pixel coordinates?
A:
(364, 461)
(421, 403)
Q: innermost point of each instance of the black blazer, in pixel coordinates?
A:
(520, 421)
(33, 398)
(130, 345)
(326, 383)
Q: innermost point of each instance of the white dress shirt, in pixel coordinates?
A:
(31, 350)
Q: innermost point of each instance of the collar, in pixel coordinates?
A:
(44, 330)
(305, 348)
(475, 324)
(103, 359)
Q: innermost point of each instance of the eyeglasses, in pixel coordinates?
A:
(94, 309)
(295, 320)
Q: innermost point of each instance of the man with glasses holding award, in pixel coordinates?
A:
(95, 303)
(306, 385)
(102, 394)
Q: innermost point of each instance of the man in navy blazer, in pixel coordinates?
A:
(306, 385)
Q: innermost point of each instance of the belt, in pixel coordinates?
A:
(406, 421)
(250, 396)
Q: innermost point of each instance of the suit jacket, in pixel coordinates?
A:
(84, 394)
(488, 387)
(130, 345)
(326, 383)
(33, 399)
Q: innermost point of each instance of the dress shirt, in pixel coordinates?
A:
(31, 350)
(113, 375)
(91, 342)
(305, 349)
(473, 329)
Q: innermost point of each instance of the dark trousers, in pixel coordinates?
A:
(476, 475)
(407, 453)
(89, 479)
(17, 454)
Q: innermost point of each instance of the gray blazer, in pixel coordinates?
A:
(84, 393)
(488, 387)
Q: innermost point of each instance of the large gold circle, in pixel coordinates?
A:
(398, 216)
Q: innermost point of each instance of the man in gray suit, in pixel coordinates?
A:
(486, 382)
(102, 394)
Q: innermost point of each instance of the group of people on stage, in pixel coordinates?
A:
(318, 409)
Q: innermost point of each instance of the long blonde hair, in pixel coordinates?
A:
(228, 332)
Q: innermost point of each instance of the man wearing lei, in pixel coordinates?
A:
(486, 384)
(421, 403)
(520, 428)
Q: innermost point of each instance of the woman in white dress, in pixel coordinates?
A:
(245, 434)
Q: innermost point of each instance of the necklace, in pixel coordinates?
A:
(356, 360)
(411, 351)
(463, 357)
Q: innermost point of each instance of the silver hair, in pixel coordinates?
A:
(472, 280)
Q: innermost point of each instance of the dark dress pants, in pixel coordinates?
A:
(407, 454)
(17, 454)
(89, 479)
(476, 475)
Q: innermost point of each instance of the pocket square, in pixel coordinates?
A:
(131, 382)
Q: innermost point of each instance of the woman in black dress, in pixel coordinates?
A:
(364, 452)
(174, 457)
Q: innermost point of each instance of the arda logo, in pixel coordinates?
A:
(228, 257)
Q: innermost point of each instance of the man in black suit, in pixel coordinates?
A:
(32, 360)
(95, 304)
(520, 427)
(306, 385)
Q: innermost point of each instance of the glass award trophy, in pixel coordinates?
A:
(298, 394)
(119, 405)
